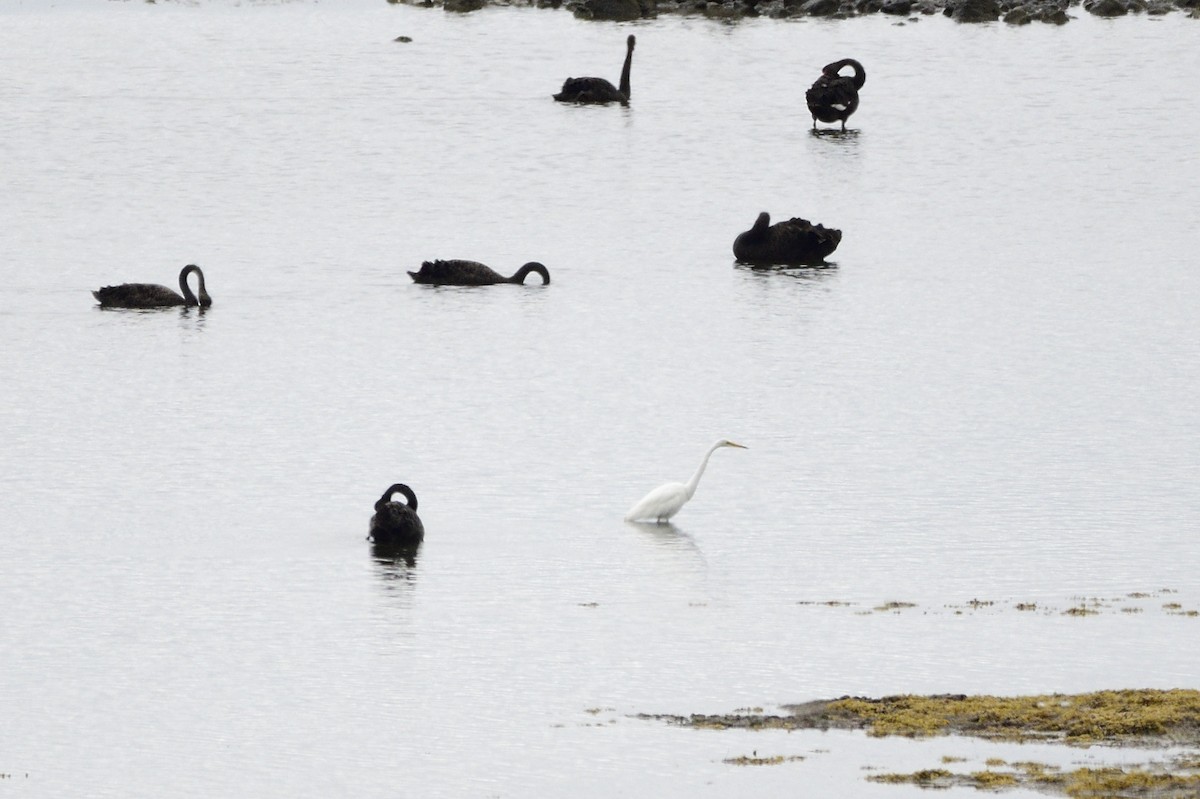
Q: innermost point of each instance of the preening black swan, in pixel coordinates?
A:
(472, 273)
(834, 97)
(795, 242)
(598, 90)
(396, 523)
(152, 295)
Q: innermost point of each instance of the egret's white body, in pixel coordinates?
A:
(665, 501)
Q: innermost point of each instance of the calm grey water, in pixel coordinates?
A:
(991, 396)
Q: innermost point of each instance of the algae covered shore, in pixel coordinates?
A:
(1137, 718)
(1013, 12)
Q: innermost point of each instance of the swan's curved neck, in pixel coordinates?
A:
(524, 271)
(185, 289)
(695, 481)
(409, 496)
(860, 74)
(624, 87)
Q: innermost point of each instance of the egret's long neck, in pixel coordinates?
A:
(695, 481)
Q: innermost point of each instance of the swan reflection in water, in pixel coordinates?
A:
(397, 573)
(397, 560)
(844, 138)
(804, 272)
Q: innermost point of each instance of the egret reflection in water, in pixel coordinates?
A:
(665, 534)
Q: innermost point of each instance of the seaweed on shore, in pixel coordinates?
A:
(1126, 717)
(1144, 718)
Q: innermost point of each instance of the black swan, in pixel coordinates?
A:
(396, 523)
(598, 90)
(152, 295)
(834, 97)
(472, 273)
(795, 242)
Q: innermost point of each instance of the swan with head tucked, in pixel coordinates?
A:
(472, 273)
(598, 90)
(152, 295)
(665, 501)
(796, 242)
(397, 523)
(834, 97)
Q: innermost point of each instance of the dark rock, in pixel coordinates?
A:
(973, 10)
(820, 8)
(1052, 11)
(462, 6)
(725, 11)
(610, 10)
(1106, 8)
(900, 8)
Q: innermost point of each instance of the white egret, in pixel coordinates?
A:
(665, 501)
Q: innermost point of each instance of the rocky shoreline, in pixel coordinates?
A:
(1013, 12)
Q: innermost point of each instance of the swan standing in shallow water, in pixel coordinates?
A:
(397, 523)
(665, 501)
(152, 295)
(472, 273)
(598, 90)
(796, 242)
(834, 97)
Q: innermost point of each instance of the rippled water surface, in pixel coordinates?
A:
(988, 400)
